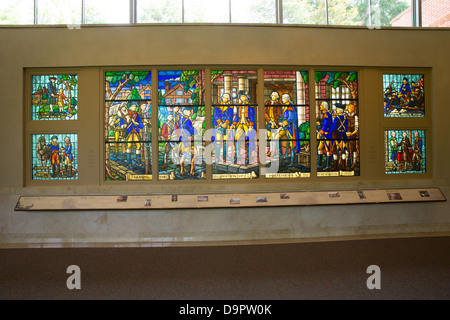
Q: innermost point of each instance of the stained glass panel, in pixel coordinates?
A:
(337, 127)
(234, 118)
(405, 151)
(404, 95)
(54, 156)
(286, 113)
(181, 124)
(128, 130)
(54, 97)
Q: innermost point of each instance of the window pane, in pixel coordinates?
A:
(54, 156)
(17, 12)
(304, 12)
(234, 118)
(348, 12)
(286, 113)
(181, 118)
(435, 13)
(159, 11)
(404, 95)
(395, 13)
(59, 12)
(405, 151)
(128, 131)
(217, 11)
(253, 11)
(54, 97)
(107, 11)
(337, 113)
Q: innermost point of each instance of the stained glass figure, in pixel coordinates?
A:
(54, 156)
(181, 119)
(405, 151)
(404, 95)
(337, 126)
(54, 97)
(128, 130)
(234, 119)
(286, 113)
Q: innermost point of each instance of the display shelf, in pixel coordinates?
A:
(226, 200)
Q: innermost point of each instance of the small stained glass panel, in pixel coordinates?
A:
(404, 95)
(405, 151)
(54, 97)
(54, 156)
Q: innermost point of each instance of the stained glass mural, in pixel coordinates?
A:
(337, 126)
(181, 124)
(405, 151)
(54, 156)
(128, 130)
(54, 97)
(234, 119)
(404, 95)
(286, 113)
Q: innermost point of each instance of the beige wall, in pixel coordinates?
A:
(90, 49)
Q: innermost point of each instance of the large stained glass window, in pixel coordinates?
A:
(128, 131)
(54, 156)
(54, 97)
(234, 119)
(405, 151)
(181, 124)
(404, 95)
(286, 114)
(337, 124)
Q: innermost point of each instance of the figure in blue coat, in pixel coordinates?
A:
(290, 134)
(339, 135)
(324, 130)
(222, 120)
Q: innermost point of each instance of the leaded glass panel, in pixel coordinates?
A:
(54, 97)
(404, 95)
(405, 151)
(128, 130)
(286, 114)
(181, 124)
(234, 118)
(337, 127)
(54, 156)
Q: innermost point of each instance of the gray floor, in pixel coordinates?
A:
(411, 268)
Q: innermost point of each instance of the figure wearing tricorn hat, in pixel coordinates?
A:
(223, 118)
(54, 147)
(52, 92)
(339, 135)
(244, 122)
(133, 135)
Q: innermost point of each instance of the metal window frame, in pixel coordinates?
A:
(416, 12)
